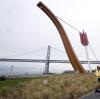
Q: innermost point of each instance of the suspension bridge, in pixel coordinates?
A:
(47, 60)
(12, 58)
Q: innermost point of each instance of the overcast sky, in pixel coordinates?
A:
(24, 27)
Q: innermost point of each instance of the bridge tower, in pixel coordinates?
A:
(46, 71)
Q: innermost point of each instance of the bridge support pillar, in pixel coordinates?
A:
(46, 71)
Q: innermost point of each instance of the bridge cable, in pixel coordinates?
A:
(25, 53)
(59, 50)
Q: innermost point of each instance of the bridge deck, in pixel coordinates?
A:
(44, 61)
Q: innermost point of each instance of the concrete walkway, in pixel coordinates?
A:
(91, 95)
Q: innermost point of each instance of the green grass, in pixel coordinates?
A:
(15, 82)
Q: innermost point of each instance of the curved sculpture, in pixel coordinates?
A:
(69, 50)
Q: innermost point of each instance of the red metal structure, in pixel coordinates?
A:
(84, 39)
(69, 50)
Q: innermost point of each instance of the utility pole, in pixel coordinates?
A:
(11, 70)
(46, 71)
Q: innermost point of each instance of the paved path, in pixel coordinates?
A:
(91, 95)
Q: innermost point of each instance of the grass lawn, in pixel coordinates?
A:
(13, 82)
